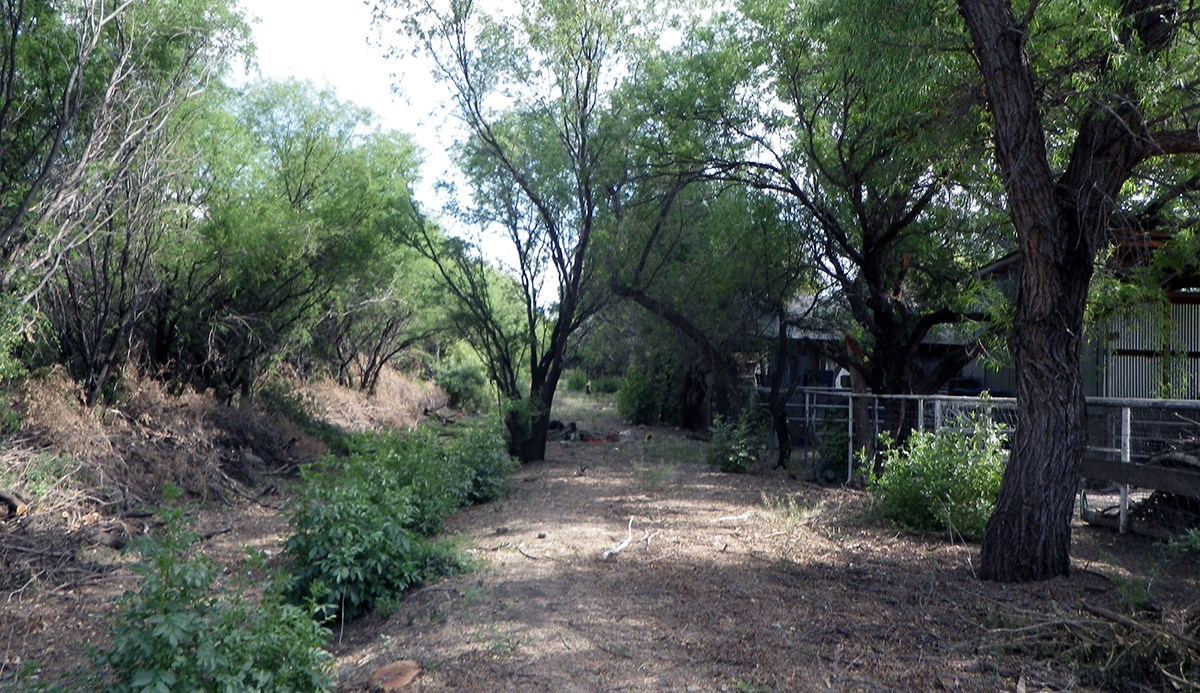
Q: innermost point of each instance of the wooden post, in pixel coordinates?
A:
(1126, 458)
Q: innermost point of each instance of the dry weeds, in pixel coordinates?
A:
(398, 402)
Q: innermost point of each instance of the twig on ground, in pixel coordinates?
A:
(521, 550)
(216, 533)
(620, 547)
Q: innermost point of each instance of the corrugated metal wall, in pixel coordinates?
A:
(1136, 365)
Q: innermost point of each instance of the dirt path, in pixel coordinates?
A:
(728, 583)
(752, 582)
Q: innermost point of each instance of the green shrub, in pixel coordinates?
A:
(1184, 545)
(734, 445)
(350, 545)
(606, 385)
(480, 449)
(462, 376)
(641, 399)
(833, 441)
(438, 483)
(944, 480)
(576, 381)
(359, 524)
(179, 632)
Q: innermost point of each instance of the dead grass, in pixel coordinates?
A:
(398, 403)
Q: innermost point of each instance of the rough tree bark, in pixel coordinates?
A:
(1060, 222)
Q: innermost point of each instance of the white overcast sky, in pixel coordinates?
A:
(326, 42)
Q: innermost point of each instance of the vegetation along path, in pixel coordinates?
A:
(630, 565)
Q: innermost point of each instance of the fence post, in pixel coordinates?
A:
(937, 415)
(1126, 458)
(849, 437)
(921, 414)
(810, 428)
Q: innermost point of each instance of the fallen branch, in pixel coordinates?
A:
(620, 547)
(216, 533)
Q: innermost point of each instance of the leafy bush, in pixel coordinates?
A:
(606, 385)
(1184, 545)
(944, 480)
(833, 440)
(461, 374)
(437, 483)
(179, 632)
(641, 397)
(350, 546)
(359, 524)
(734, 444)
(576, 381)
(481, 450)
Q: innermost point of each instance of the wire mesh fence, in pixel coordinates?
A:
(1139, 451)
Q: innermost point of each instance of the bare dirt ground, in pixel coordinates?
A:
(754, 582)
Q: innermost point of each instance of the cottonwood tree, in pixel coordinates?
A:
(531, 86)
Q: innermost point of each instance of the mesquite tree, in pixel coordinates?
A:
(1137, 62)
(531, 85)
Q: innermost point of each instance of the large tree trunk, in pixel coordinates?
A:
(1029, 535)
(1060, 225)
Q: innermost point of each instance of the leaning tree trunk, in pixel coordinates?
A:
(1059, 226)
(1029, 535)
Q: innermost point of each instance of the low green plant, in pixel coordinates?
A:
(500, 641)
(650, 476)
(350, 545)
(183, 631)
(640, 398)
(461, 374)
(787, 511)
(437, 483)
(361, 524)
(674, 449)
(1185, 545)
(1136, 594)
(606, 385)
(943, 480)
(479, 448)
(10, 417)
(833, 441)
(734, 445)
(576, 381)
